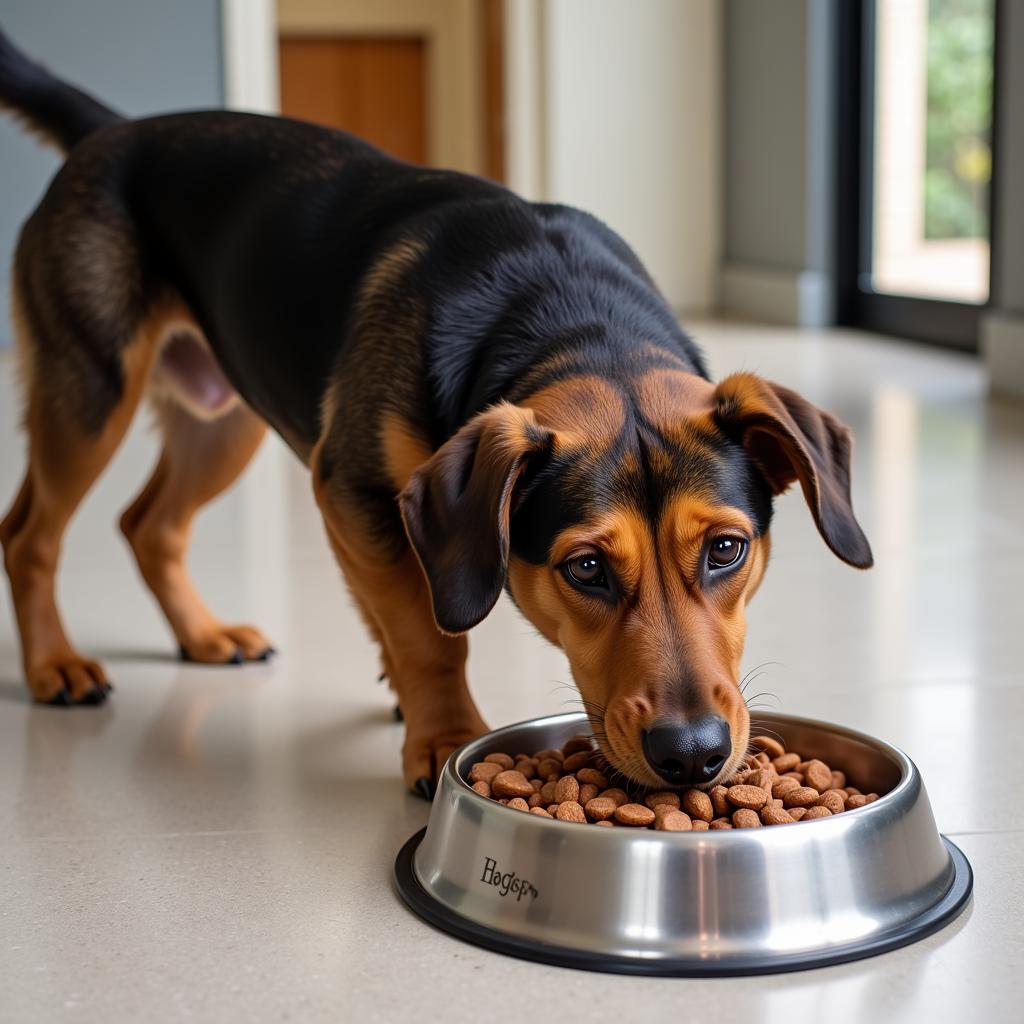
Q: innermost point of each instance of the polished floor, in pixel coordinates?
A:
(216, 843)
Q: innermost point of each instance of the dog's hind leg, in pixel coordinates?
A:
(200, 459)
(79, 405)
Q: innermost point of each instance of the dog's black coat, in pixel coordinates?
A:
(271, 229)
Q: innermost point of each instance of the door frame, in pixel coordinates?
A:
(942, 322)
(452, 33)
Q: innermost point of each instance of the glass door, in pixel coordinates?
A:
(916, 100)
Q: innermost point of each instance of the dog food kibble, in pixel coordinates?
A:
(569, 810)
(634, 814)
(697, 805)
(773, 786)
(511, 783)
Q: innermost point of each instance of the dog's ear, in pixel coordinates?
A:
(791, 439)
(457, 508)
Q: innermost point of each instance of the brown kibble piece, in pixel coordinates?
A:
(796, 813)
(871, 797)
(798, 776)
(511, 784)
(552, 752)
(503, 761)
(661, 797)
(775, 815)
(548, 767)
(600, 808)
(762, 778)
(817, 812)
(786, 763)
(802, 796)
(834, 800)
(697, 805)
(855, 801)
(578, 744)
(852, 791)
(772, 747)
(538, 784)
(747, 797)
(540, 812)
(587, 792)
(484, 771)
(608, 823)
(571, 811)
(519, 804)
(720, 802)
(634, 814)
(592, 777)
(819, 775)
(746, 818)
(527, 768)
(535, 801)
(719, 823)
(482, 788)
(675, 821)
(838, 780)
(699, 825)
(784, 786)
(552, 809)
(548, 792)
(618, 795)
(567, 788)
(574, 762)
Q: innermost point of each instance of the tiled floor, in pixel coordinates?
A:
(197, 848)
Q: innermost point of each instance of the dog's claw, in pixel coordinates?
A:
(424, 788)
(396, 713)
(61, 699)
(266, 654)
(97, 695)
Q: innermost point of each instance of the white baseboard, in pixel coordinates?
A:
(1002, 344)
(802, 298)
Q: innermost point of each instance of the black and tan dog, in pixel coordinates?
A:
(488, 393)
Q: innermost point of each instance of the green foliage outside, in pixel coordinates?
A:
(958, 163)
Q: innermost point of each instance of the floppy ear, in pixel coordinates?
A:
(791, 439)
(457, 506)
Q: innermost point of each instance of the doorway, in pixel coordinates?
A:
(917, 82)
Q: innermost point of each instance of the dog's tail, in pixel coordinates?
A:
(60, 113)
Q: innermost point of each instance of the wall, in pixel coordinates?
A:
(779, 168)
(141, 56)
(620, 115)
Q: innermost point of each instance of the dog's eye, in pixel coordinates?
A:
(725, 551)
(586, 571)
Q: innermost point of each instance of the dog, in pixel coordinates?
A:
(489, 394)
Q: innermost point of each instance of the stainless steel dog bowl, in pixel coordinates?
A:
(752, 901)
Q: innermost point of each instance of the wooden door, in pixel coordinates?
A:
(374, 87)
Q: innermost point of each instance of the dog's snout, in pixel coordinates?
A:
(688, 753)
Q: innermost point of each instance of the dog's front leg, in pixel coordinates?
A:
(427, 668)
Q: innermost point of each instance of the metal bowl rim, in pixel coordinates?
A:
(908, 775)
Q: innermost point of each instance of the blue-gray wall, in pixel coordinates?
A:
(141, 56)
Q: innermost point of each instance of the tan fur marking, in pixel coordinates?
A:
(404, 453)
(585, 410)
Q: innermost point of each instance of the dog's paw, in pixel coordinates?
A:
(424, 754)
(227, 645)
(67, 680)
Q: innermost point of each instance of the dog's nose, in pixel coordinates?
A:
(688, 753)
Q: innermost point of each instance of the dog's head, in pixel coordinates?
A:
(630, 525)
